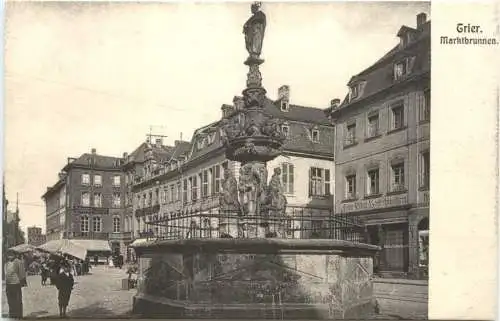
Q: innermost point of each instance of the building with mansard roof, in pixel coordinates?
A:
(190, 181)
(383, 151)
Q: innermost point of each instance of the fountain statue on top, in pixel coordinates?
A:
(253, 137)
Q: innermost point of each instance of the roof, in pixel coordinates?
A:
(160, 153)
(379, 76)
(95, 160)
(297, 113)
(182, 148)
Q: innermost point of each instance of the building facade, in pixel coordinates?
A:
(190, 181)
(35, 236)
(136, 166)
(87, 202)
(383, 151)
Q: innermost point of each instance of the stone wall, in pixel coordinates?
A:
(223, 284)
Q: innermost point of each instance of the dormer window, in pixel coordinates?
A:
(403, 68)
(354, 92)
(284, 105)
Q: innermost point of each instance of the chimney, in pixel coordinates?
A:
(284, 93)
(61, 175)
(159, 142)
(227, 110)
(177, 142)
(421, 19)
(125, 155)
(238, 103)
(334, 103)
(93, 151)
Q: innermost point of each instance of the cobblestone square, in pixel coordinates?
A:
(98, 294)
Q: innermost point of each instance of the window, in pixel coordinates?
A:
(397, 114)
(194, 188)
(398, 177)
(172, 193)
(284, 105)
(84, 224)
(116, 224)
(217, 178)
(185, 191)
(399, 70)
(319, 181)
(96, 224)
(150, 198)
(373, 125)
(425, 170)
(85, 179)
(116, 199)
(425, 106)
(350, 186)
(97, 199)
(204, 183)
(179, 191)
(116, 181)
(353, 92)
(85, 199)
(350, 137)
(285, 129)
(97, 180)
(373, 182)
(165, 196)
(315, 135)
(287, 177)
(157, 196)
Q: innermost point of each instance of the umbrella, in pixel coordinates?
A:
(65, 247)
(22, 248)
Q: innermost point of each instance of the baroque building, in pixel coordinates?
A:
(383, 151)
(168, 202)
(87, 202)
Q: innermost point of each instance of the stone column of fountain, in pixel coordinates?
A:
(253, 137)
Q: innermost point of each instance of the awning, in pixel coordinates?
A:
(22, 248)
(93, 245)
(65, 247)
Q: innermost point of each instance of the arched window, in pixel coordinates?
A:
(84, 224)
(116, 224)
(96, 224)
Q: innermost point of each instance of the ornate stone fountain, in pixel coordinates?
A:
(253, 270)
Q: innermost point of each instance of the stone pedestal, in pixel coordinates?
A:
(255, 278)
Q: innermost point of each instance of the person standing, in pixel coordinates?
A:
(15, 279)
(64, 285)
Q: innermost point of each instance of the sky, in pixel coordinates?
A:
(97, 75)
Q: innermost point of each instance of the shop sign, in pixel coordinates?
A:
(375, 203)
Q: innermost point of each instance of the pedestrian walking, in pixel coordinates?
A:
(64, 284)
(15, 279)
(44, 273)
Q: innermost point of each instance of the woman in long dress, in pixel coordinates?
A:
(64, 284)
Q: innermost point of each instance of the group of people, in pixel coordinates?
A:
(49, 268)
(58, 268)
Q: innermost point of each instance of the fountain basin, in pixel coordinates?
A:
(255, 278)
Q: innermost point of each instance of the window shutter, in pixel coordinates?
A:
(410, 64)
(327, 182)
(310, 181)
(290, 178)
